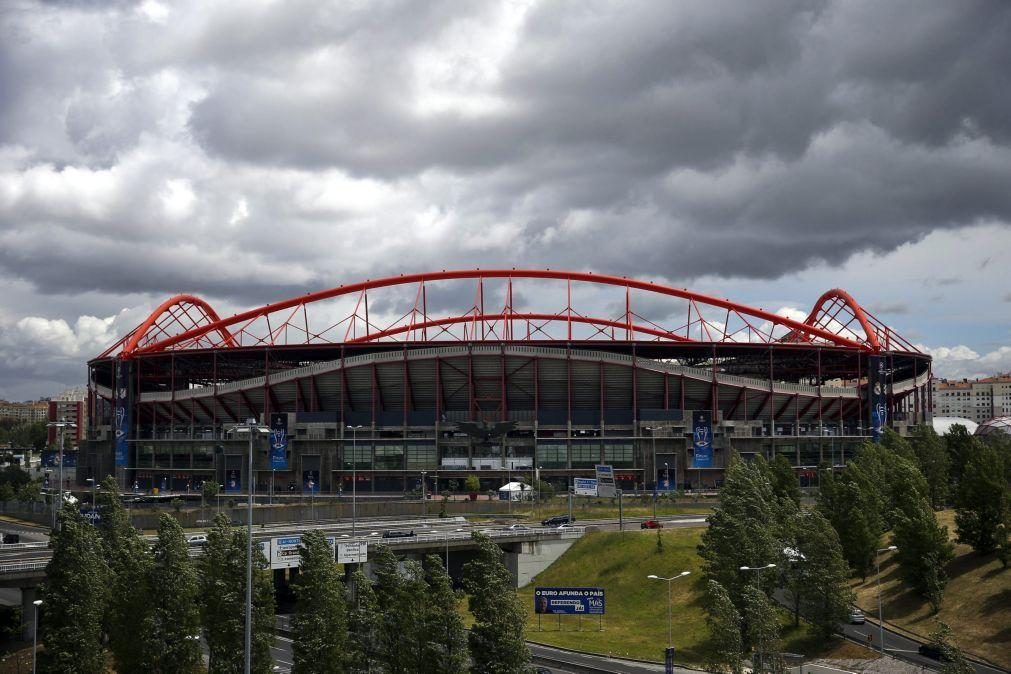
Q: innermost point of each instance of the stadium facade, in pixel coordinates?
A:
(388, 382)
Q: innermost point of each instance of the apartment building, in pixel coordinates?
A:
(975, 399)
(24, 412)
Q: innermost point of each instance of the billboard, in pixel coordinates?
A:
(284, 551)
(352, 552)
(605, 481)
(569, 600)
(702, 439)
(877, 388)
(51, 459)
(279, 441)
(584, 486)
(233, 481)
(121, 420)
(310, 481)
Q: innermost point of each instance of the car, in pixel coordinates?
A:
(556, 520)
(932, 651)
(856, 617)
(197, 539)
(392, 533)
(651, 524)
(566, 526)
(517, 527)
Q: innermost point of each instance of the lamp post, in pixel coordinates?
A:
(59, 426)
(354, 476)
(759, 570)
(35, 633)
(424, 488)
(652, 434)
(881, 623)
(252, 428)
(669, 599)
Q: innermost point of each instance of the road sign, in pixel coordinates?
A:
(605, 481)
(584, 486)
(284, 551)
(352, 552)
(569, 600)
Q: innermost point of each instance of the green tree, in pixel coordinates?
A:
(784, 479)
(959, 444)
(762, 625)
(1004, 541)
(129, 560)
(496, 639)
(173, 626)
(898, 444)
(815, 573)
(932, 459)
(443, 633)
(320, 621)
(923, 552)
(364, 618)
(982, 499)
(472, 484)
(400, 591)
(74, 595)
(724, 621)
(223, 593)
(952, 656)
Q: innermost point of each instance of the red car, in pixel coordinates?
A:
(651, 524)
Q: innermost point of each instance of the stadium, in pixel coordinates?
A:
(502, 374)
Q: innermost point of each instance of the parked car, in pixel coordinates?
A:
(557, 520)
(651, 524)
(197, 539)
(392, 533)
(856, 617)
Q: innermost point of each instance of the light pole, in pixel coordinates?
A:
(354, 476)
(35, 633)
(59, 426)
(669, 599)
(759, 570)
(652, 434)
(455, 531)
(424, 488)
(252, 428)
(881, 623)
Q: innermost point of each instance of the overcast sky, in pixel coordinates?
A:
(250, 151)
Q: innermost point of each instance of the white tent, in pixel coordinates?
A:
(516, 491)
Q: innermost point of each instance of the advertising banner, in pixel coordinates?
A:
(569, 600)
(279, 441)
(877, 387)
(605, 481)
(92, 515)
(584, 486)
(233, 481)
(310, 481)
(121, 414)
(702, 439)
(284, 551)
(51, 459)
(352, 552)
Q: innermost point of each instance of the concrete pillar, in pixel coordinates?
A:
(28, 595)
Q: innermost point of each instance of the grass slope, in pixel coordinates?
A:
(636, 621)
(977, 602)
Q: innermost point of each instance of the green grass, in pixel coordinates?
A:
(598, 508)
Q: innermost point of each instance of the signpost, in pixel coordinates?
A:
(605, 481)
(585, 486)
(284, 551)
(352, 552)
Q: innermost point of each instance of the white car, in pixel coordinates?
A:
(197, 539)
(518, 527)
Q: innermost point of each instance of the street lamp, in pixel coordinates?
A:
(759, 570)
(881, 624)
(652, 433)
(35, 633)
(669, 599)
(252, 428)
(60, 425)
(424, 488)
(354, 476)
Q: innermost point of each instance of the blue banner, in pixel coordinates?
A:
(121, 414)
(51, 459)
(279, 441)
(702, 439)
(310, 481)
(877, 402)
(233, 481)
(569, 600)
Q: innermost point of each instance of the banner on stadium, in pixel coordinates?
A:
(702, 439)
(310, 481)
(233, 481)
(877, 386)
(279, 441)
(121, 414)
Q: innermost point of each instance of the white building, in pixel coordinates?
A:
(974, 399)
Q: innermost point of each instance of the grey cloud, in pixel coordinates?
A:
(893, 308)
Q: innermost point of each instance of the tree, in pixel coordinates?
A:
(762, 626)
(74, 596)
(472, 484)
(496, 638)
(933, 462)
(401, 597)
(364, 619)
(959, 444)
(724, 621)
(784, 479)
(952, 656)
(443, 635)
(923, 552)
(852, 513)
(320, 621)
(982, 499)
(173, 627)
(898, 444)
(223, 593)
(815, 573)
(129, 561)
(1003, 541)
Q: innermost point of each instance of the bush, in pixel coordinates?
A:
(472, 484)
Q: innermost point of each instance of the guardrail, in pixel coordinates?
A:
(4, 547)
(27, 565)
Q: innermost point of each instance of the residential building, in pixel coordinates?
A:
(975, 399)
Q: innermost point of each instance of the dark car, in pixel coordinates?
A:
(558, 520)
(651, 524)
(398, 534)
(932, 651)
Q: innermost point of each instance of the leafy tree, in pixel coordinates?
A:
(898, 444)
(932, 459)
(496, 638)
(320, 621)
(952, 656)
(982, 500)
(74, 596)
(815, 573)
(724, 621)
(784, 479)
(923, 552)
(739, 532)
(209, 489)
(173, 626)
(129, 560)
(223, 592)
(401, 597)
(1003, 542)
(472, 484)
(443, 635)
(959, 444)
(30, 491)
(762, 625)
(7, 492)
(364, 618)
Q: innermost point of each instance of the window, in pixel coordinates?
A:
(389, 457)
(619, 454)
(421, 457)
(552, 455)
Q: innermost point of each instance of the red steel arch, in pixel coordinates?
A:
(181, 313)
(276, 323)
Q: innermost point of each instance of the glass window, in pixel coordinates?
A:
(619, 454)
(585, 455)
(162, 454)
(552, 455)
(203, 456)
(359, 456)
(421, 457)
(389, 457)
(145, 455)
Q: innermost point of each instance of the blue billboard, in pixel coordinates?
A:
(121, 420)
(702, 439)
(569, 600)
(51, 459)
(233, 481)
(877, 384)
(279, 442)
